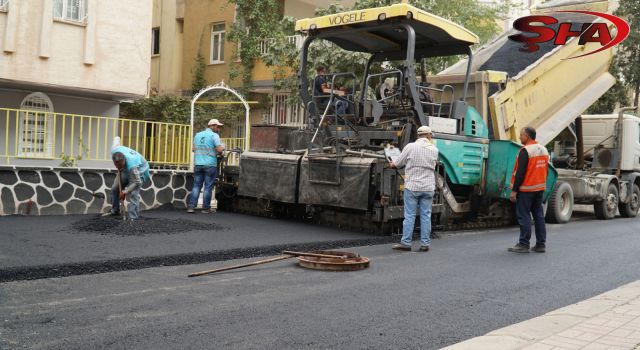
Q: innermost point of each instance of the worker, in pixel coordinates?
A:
(321, 88)
(528, 183)
(420, 158)
(206, 146)
(133, 171)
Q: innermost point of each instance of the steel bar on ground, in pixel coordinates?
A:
(195, 274)
(315, 255)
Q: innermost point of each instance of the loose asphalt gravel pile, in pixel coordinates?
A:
(508, 58)
(143, 226)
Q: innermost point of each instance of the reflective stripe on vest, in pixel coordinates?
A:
(535, 178)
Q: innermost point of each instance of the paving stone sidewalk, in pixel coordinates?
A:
(606, 322)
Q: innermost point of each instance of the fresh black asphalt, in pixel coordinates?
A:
(466, 286)
(58, 246)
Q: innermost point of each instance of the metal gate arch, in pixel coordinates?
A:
(219, 86)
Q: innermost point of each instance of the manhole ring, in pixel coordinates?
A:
(344, 261)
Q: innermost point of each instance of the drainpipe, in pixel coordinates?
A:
(619, 135)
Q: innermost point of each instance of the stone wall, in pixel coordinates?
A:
(58, 191)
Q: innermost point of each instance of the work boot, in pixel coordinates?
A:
(424, 248)
(208, 211)
(403, 247)
(519, 248)
(539, 248)
(191, 210)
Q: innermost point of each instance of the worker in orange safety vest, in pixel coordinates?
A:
(528, 183)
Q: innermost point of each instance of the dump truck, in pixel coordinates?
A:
(596, 156)
(335, 171)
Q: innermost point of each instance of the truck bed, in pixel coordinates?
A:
(544, 89)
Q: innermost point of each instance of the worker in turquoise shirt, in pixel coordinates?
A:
(206, 146)
(133, 171)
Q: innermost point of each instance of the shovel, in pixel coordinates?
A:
(123, 207)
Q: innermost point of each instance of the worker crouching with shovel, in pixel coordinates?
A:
(133, 171)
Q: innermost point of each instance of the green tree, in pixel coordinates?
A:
(256, 20)
(628, 53)
(198, 69)
(177, 109)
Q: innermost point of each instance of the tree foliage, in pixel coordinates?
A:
(256, 20)
(177, 109)
(198, 81)
(628, 54)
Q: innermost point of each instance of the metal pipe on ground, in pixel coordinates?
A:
(288, 255)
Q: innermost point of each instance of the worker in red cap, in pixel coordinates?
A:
(206, 146)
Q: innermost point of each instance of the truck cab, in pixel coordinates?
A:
(598, 161)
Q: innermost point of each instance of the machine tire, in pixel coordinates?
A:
(606, 209)
(630, 210)
(560, 205)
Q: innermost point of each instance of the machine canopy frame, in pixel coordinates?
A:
(379, 30)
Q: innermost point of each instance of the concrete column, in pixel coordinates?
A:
(90, 33)
(46, 28)
(12, 26)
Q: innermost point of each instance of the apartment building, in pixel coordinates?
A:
(62, 58)
(183, 28)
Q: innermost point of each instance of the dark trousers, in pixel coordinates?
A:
(528, 203)
(203, 175)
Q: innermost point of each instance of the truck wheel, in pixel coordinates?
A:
(630, 210)
(606, 209)
(560, 205)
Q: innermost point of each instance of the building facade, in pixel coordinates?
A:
(200, 27)
(60, 58)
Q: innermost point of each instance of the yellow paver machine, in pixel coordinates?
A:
(335, 170)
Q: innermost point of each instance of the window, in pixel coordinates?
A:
(36, 126)
(155, 41)
(217, 43)
(4, 5)
(284, 112)
(70, 10)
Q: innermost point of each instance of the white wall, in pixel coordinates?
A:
(109, 54)
(97, 136)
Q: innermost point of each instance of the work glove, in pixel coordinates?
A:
(122, 195)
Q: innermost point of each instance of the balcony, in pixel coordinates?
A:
(295, 40)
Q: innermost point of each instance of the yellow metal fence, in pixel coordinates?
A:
(68, 139)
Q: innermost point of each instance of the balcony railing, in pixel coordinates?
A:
(68, 139)
(295, 40)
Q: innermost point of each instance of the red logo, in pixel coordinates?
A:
(590, 32)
